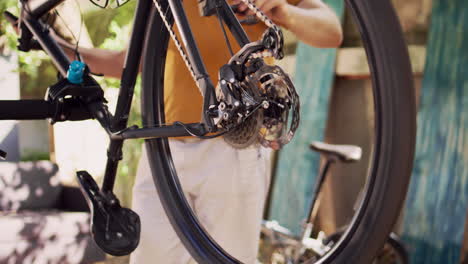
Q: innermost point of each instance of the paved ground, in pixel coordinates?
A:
(115, 260)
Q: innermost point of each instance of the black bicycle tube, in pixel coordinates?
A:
(233, 23)
(162, 132)
(193, 53)
(318, 187)
(26, 109)
(38, 8)
(132, 64)
(127, 85)
(50, 46)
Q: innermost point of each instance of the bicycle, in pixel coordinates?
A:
(282, 246)
(76, 96)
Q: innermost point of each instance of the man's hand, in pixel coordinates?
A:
(60, 40)
(276, 10)
(107, 62)
(311, 21)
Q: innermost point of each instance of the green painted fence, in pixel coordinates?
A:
(437, 202)
(297, 165)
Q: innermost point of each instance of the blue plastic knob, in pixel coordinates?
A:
(75, 72)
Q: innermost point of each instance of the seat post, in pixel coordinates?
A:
(318, 187)
(315, 195)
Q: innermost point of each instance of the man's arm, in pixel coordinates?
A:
(101, 61)
(312, 21)
(106, 62)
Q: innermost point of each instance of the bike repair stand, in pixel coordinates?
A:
(77, 96)
(115, 229)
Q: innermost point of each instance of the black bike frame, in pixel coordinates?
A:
(32, 11)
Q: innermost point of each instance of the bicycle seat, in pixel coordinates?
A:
(346, 153)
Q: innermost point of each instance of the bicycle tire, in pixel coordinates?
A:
(395, 129)
(393, 241)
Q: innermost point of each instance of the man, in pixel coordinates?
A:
(226, 187)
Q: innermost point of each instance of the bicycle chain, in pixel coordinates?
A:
(258, 13)
(264, 18)
(177, 43)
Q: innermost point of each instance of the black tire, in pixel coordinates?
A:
(397, 249)
(395, 127)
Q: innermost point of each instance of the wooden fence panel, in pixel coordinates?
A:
(438, 198)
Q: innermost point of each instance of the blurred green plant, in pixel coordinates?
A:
(7, 34)
(30, 64)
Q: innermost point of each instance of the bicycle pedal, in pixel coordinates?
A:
(115, 229)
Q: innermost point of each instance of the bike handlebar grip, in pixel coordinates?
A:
(26, 109)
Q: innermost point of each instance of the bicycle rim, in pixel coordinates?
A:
(393, 147)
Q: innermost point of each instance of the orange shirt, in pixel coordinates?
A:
(182, 99)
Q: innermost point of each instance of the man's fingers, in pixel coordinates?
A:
(265, 6)
(239, 7)
(242, 7)
(260, 3)
(268, 5)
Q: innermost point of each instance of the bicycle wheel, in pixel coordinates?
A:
(393, 150)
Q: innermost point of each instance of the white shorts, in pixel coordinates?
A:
(226, 188)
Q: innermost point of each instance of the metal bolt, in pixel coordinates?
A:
(225, 116)
(222, 106)
(236, 103)
(265, 104)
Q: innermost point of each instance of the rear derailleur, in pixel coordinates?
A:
(257, 100)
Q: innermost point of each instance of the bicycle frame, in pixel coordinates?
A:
(118, 131)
